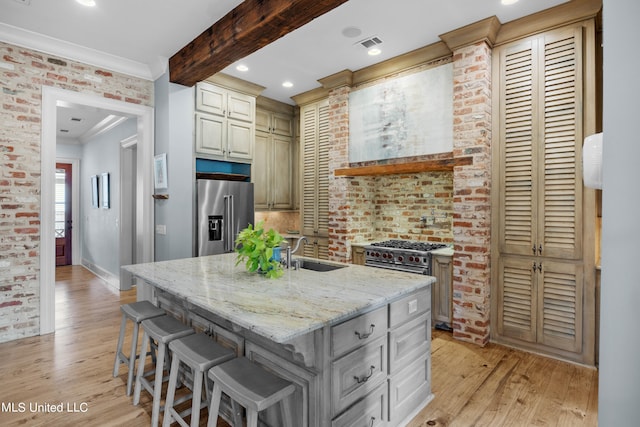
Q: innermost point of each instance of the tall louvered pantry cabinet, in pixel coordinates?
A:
(314, 204)
(543, 273)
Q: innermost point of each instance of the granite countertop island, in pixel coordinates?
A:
(355, 341)
(278, 309)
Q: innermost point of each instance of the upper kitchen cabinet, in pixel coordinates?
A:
(544, 96)
(274, 170)
(314, 146)
(225, 119)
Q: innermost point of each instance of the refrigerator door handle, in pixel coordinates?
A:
(229, 215)
(225, 233)
(232, 219)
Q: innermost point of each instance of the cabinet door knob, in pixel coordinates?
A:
(540, 249)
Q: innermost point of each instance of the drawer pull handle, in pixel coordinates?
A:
(364, 379)
(365, 334)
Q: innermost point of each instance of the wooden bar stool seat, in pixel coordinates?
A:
(198, 352)
(251, 386)
(136, 312)
(161, 331)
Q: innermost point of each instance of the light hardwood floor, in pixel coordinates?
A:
(473, 386)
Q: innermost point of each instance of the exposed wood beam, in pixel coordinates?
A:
(249, 27)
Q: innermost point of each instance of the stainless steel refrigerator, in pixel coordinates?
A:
(224, 208)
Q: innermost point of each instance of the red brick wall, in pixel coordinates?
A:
(456, 204)
(472, 188)
(22, 75)
(381, 207)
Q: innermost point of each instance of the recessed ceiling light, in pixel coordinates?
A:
(374, 51)
(351, 32)
(287, 84)
(508, 2)
(242, 68)
(89, 3)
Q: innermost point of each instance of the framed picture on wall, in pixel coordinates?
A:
(105, 190)
(160, 171)
(94, 191)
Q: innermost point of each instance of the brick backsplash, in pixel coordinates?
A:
(456, 205)
(22, 76)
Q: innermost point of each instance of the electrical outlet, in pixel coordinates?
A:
(161, 229)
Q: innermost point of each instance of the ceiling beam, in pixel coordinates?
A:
(249, 27)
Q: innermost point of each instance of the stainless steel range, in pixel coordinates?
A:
(402, 255)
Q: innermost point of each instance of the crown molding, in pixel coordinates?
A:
(51, 46)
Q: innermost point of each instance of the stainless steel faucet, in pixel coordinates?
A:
(295, 249)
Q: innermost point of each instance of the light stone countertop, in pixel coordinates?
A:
(278, 309)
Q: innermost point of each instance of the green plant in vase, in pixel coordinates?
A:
(260, 249)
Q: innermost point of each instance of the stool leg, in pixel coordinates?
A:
(140, 373)
(287, 412)
(157, 385)
(132, 356)
(237, 413)
(116, 365)
(171, 391)
(252, 418)
(214, 408)
(196, 400)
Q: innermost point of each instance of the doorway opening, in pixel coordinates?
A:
(51, 99)
(63, 214)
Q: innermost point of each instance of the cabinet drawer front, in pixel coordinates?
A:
(409, 342)
(369, 412)
(358, 331)
(409, 307)
(357, 374)
(409, 389)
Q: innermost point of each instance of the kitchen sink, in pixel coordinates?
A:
(318, 266)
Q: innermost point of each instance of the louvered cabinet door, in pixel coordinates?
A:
(323, 171)
(308, 145)
(560, 305)
(517, 298)
(518, 158)
(560, 201)
(314, 141)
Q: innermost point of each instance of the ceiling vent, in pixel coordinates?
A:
(368, 43)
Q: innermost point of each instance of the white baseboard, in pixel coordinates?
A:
(110, 279)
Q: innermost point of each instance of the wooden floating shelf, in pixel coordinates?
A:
(160, 196)
(438, 165)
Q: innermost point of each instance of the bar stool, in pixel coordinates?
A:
(252, 387)
(199, 352)
(136, 312)
(162, 331)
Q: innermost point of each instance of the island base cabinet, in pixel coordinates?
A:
(409, 391)
(369, 412)
(372, 369)
(355, 375)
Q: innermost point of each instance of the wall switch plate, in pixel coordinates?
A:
(161, 229)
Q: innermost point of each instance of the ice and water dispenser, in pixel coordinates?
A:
(215, 227)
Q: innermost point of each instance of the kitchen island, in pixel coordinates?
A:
(355, 340)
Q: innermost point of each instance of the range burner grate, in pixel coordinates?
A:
(407, 244)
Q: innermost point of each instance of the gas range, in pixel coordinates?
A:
(402, 255)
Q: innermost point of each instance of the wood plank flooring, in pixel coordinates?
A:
(473, 386)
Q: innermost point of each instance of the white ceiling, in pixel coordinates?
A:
(137, 37)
